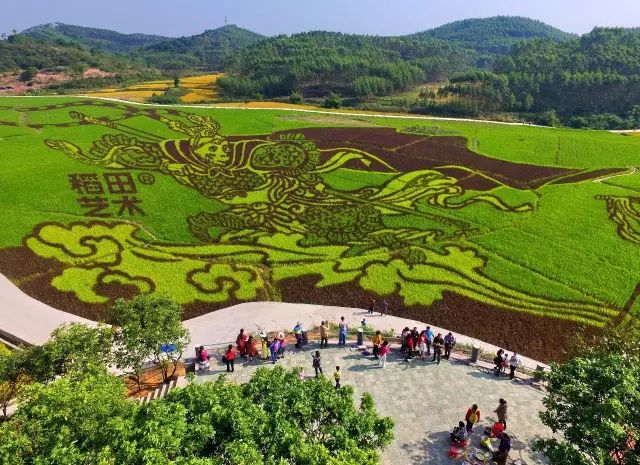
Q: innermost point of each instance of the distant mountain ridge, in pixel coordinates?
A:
(497, 34)
(103, 39)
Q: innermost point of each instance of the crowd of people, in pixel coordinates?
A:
(414, 344)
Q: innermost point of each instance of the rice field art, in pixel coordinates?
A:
(108, 200)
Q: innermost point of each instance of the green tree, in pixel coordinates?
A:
(19, 368)
(77, 345)
(594, 401)
(332, 100)
(28, 74)
(83, 418)
(143, 327)
(295, 97)
(176, 82)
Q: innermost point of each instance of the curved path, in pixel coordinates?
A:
(27, 320)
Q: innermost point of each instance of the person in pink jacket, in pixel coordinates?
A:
(384, 350)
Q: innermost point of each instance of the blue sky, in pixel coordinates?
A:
(386, 17)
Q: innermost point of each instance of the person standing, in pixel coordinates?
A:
(297, 332)
(472, 417)
(241, 342)
(384, 350)
(372, 306)
(429, 340)
(505, 363)
(336, 376)
(265, 345)
(410, 346)
(230, 358)
(252, 348)
(385, 308)
(317, 365)
(514, 363)
(497, 361)
(422, 345)
(342, 332)
(501, 412)
(377, 342)
(324, 340)
(438, 343)
(449, 342)
(281, 344)
(274, 348)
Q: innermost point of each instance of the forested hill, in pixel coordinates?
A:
(495, 35)
(364, 66)
(209, 50)
(21, 52)
(315, 63)
(591, 81)
(103, 39)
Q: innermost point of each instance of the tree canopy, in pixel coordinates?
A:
(593, 400)
(84, 418)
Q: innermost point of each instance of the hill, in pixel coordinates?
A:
(495, 35)
(103, 39)
(22, 52)
(591, 81)
(207, 51)
(315, 63)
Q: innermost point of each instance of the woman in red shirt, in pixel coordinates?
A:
(230, 358)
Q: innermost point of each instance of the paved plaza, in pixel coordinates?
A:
(424, 399)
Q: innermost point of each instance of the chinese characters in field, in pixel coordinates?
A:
(112, 194)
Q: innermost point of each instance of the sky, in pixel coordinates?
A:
(175, 18)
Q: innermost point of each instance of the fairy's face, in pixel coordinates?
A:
(213, 151)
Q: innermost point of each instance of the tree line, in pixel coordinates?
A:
(592, 82)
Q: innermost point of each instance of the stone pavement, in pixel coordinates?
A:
(424, 399)
(222, 326)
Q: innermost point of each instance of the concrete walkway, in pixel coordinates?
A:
(425, 401)
(222, 326)
(27, 320)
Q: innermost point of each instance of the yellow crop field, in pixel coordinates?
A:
(201, 88)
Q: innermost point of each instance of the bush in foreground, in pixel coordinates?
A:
(275, 419)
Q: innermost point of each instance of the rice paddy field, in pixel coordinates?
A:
(520, 236)
(200, 89)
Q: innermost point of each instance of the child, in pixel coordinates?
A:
(317, 363)
(337, 376)
(384, 350)
(422, 344)
(300, 374)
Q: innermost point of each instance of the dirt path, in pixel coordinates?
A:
(298, 110)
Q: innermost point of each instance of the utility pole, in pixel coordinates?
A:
(225, 20)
